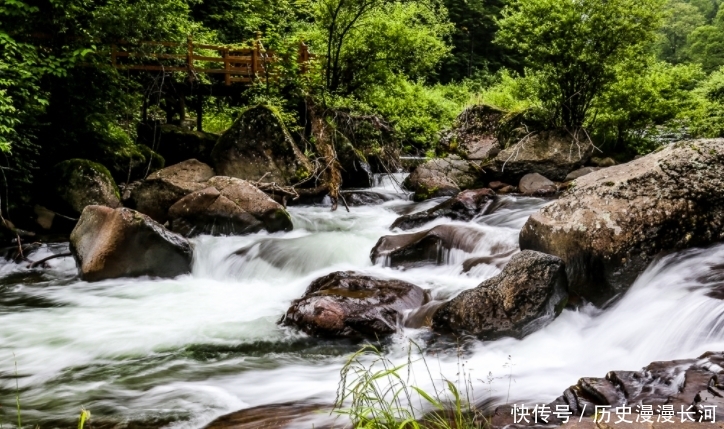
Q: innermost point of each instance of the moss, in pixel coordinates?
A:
(66, 171)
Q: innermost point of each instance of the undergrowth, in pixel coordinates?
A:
(376, 393)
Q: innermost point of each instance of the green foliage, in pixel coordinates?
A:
(514, 93)
(706, 44)
(681, 19)
(417, 111)
(576, 46)
(366, 42)
(473, 52)
(238, 21)
(642, 99)
(707, 115)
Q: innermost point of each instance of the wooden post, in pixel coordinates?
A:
(303, 57)
(199, 111)
(255, 54)
(113, 55)
(190, 57)
(227, 67)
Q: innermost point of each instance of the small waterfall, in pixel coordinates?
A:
(189, 349)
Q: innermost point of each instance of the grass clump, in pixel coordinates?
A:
(376, 393)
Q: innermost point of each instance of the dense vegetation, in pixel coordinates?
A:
(629, 73)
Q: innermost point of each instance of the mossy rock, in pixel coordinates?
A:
(77, 183)
(258, 145)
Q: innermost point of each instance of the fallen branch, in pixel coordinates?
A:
(44, 260)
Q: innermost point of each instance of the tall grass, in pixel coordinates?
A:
(375, 393)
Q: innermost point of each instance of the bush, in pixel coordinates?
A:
(418, 112)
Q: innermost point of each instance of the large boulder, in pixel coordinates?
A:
(347, 304)
(536, 184)
(229, 206)
(613, 222)
(475, 133)
(552, 154)
(77, 183)
(428, 247)
(442, 177)
(258, 146)
(110, 243)
(527, 294)
(155, 195)
(463, 207)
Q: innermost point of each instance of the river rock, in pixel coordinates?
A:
(575, 174)
(111, 243)
(526, 295)
(428, 247)
(347, 304)
(272, 416)
(551, 154)
(257, 146)
(77, 183)
(474, 135)
(442, 177)
(368, 198)
(462, 207)
(613, 222)
(155, 195)
(229, 206)
(689, 383)
(603, 162)
(535, 184)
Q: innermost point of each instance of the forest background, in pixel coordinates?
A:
(631, 75)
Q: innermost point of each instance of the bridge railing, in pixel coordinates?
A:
(236, 65)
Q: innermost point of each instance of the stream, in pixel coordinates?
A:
(181, 352)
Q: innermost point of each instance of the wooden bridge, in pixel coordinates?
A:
(225, 64)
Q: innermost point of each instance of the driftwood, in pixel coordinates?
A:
(44, 260)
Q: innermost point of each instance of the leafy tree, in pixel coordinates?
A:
(238, 21)
(369, 41)
(707, 44)
(643, 98)
(473, 51)
(681, 19)
(708, 8)
(577, 46)
(707, 116)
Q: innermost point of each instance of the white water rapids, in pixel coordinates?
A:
(184, 351)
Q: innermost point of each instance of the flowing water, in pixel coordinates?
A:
(181, 352)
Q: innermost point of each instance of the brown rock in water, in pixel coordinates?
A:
(257, 146)
(526, 295)
(443, 177)
(536, 184)
(347, 304)
(463, 207)
(612, 224)
(275, 416)
(575, 174)
(110, 243)
(228, 206)
(551, 154)
(690, 383)
(155, 195)
(495, 185)
(428, 247)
